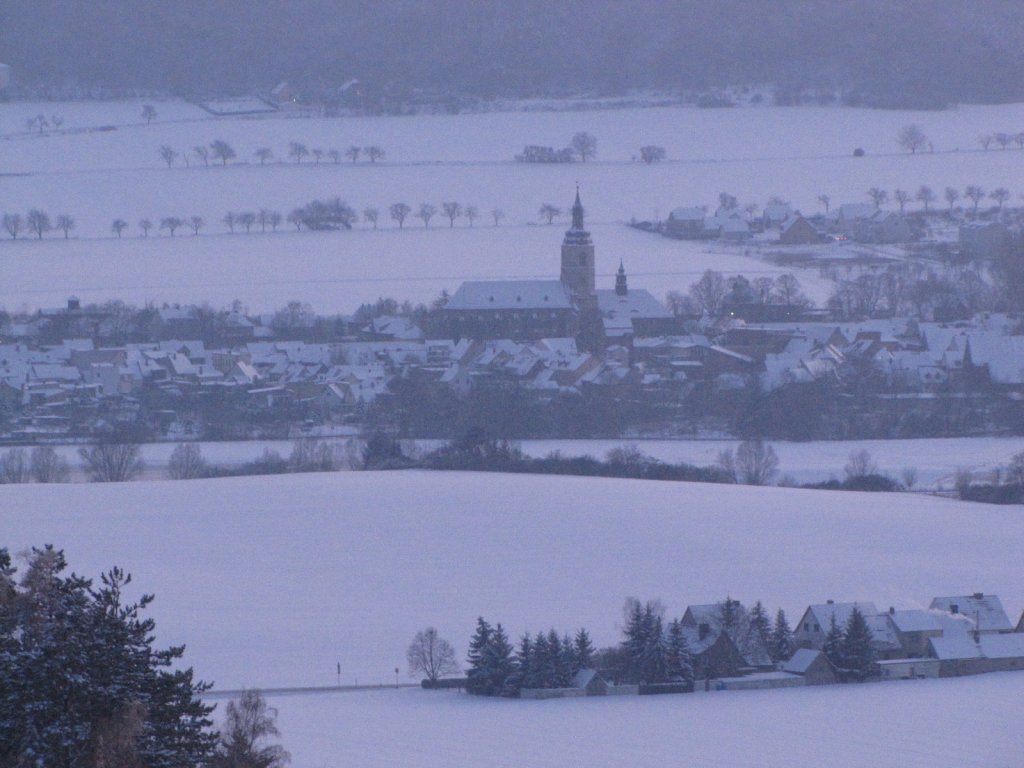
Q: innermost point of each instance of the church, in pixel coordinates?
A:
(526, 310)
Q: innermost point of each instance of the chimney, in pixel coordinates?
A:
(74, 304)
(892, 610)
(954, 608)
(703, 630)
(830, 602)
(978, 595)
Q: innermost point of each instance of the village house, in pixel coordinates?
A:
(796, 230)
(776, 214)
(685, 223)
(812, 666)
(978, 653)
(882, 227)
(985, 611)
(814, 625)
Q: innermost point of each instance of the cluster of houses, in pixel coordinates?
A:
(955, 636)
(860, 222)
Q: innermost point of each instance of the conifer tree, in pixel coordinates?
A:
(555, 649)
(478, 673)
(584, 650)
(500, 663)
(856, 650)
(524, 663)
(569, 665)
(543, 663)
(832, 647)
(780, 647)
(634, 642)
(760, 624)
(653, 666)
(678, 658)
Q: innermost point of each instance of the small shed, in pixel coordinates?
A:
(811, 665)
(591, 682)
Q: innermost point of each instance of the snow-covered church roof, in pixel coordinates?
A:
(510, 294)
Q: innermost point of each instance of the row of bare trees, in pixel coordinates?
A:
(1001, 140)
(36, 222)
(926, 196)
(221, 151)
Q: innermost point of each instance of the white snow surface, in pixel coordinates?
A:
(917, 724)
(272, 581)
(798, 153)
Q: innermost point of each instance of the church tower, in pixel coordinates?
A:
(578, 258)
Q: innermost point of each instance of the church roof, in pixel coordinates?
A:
(634, 304)
(510, 294)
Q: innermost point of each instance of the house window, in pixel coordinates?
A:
(807, 626)
(817, 628)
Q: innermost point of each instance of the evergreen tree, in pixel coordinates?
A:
(729, 615)
(81, 684)
(544, 672)
(568, 662)
(780, 647)
(524, 663)
(833, 644)
(500, 664)
(678, 658)
(634, 642)
(653, 666)
(584, 650)
(856, 650)
(555, 649)
(760, 624)
(478, 673)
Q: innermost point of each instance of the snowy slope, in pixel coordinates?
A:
(920, 724)
(797, 153)
(272, 581)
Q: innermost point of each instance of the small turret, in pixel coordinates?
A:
(621, 289)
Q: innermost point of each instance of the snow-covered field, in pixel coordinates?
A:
(920, 724)
(797, 153)
(272, 581)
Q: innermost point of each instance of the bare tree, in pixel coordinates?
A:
(902, 197)
(112, 459)
(38, 222)
(497, 215)
(248, 723)
(168, 154)
(230, 220)
(756, 462)
(295, 218)
(452, 211)
(472, 214)
(860, 464)
(975, 194)
(825, 200)
(196, 223)
(118, 226)
(39, 121)
(652, 154)
(47, 466)
(727, 202)
(426, 213)
(148, 113)
(912, 138)
(203, 153)
(951, 195)
(64, 223)
(13, 224)
(1003, 140)
(1018, 139)
(318, 155)
(274, 219)
(352, 153)
(431, 656)
(263, 219)
(246, 219)
(709, 292)
(57, 121)
(171, 224)
(584, 145)
(264, 154)
(334, 156)
(186, 462)
(13, 467)
(1000, 195)
(925, 196)
(297, 150)
(549, 212)
(371, 215)
(374, 152)
(985, 141)
(221, 150)
(145, 225)
(399, 212)
(909, 477)
(878, 196)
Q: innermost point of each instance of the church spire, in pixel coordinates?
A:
(577, 211)
(621, 289)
